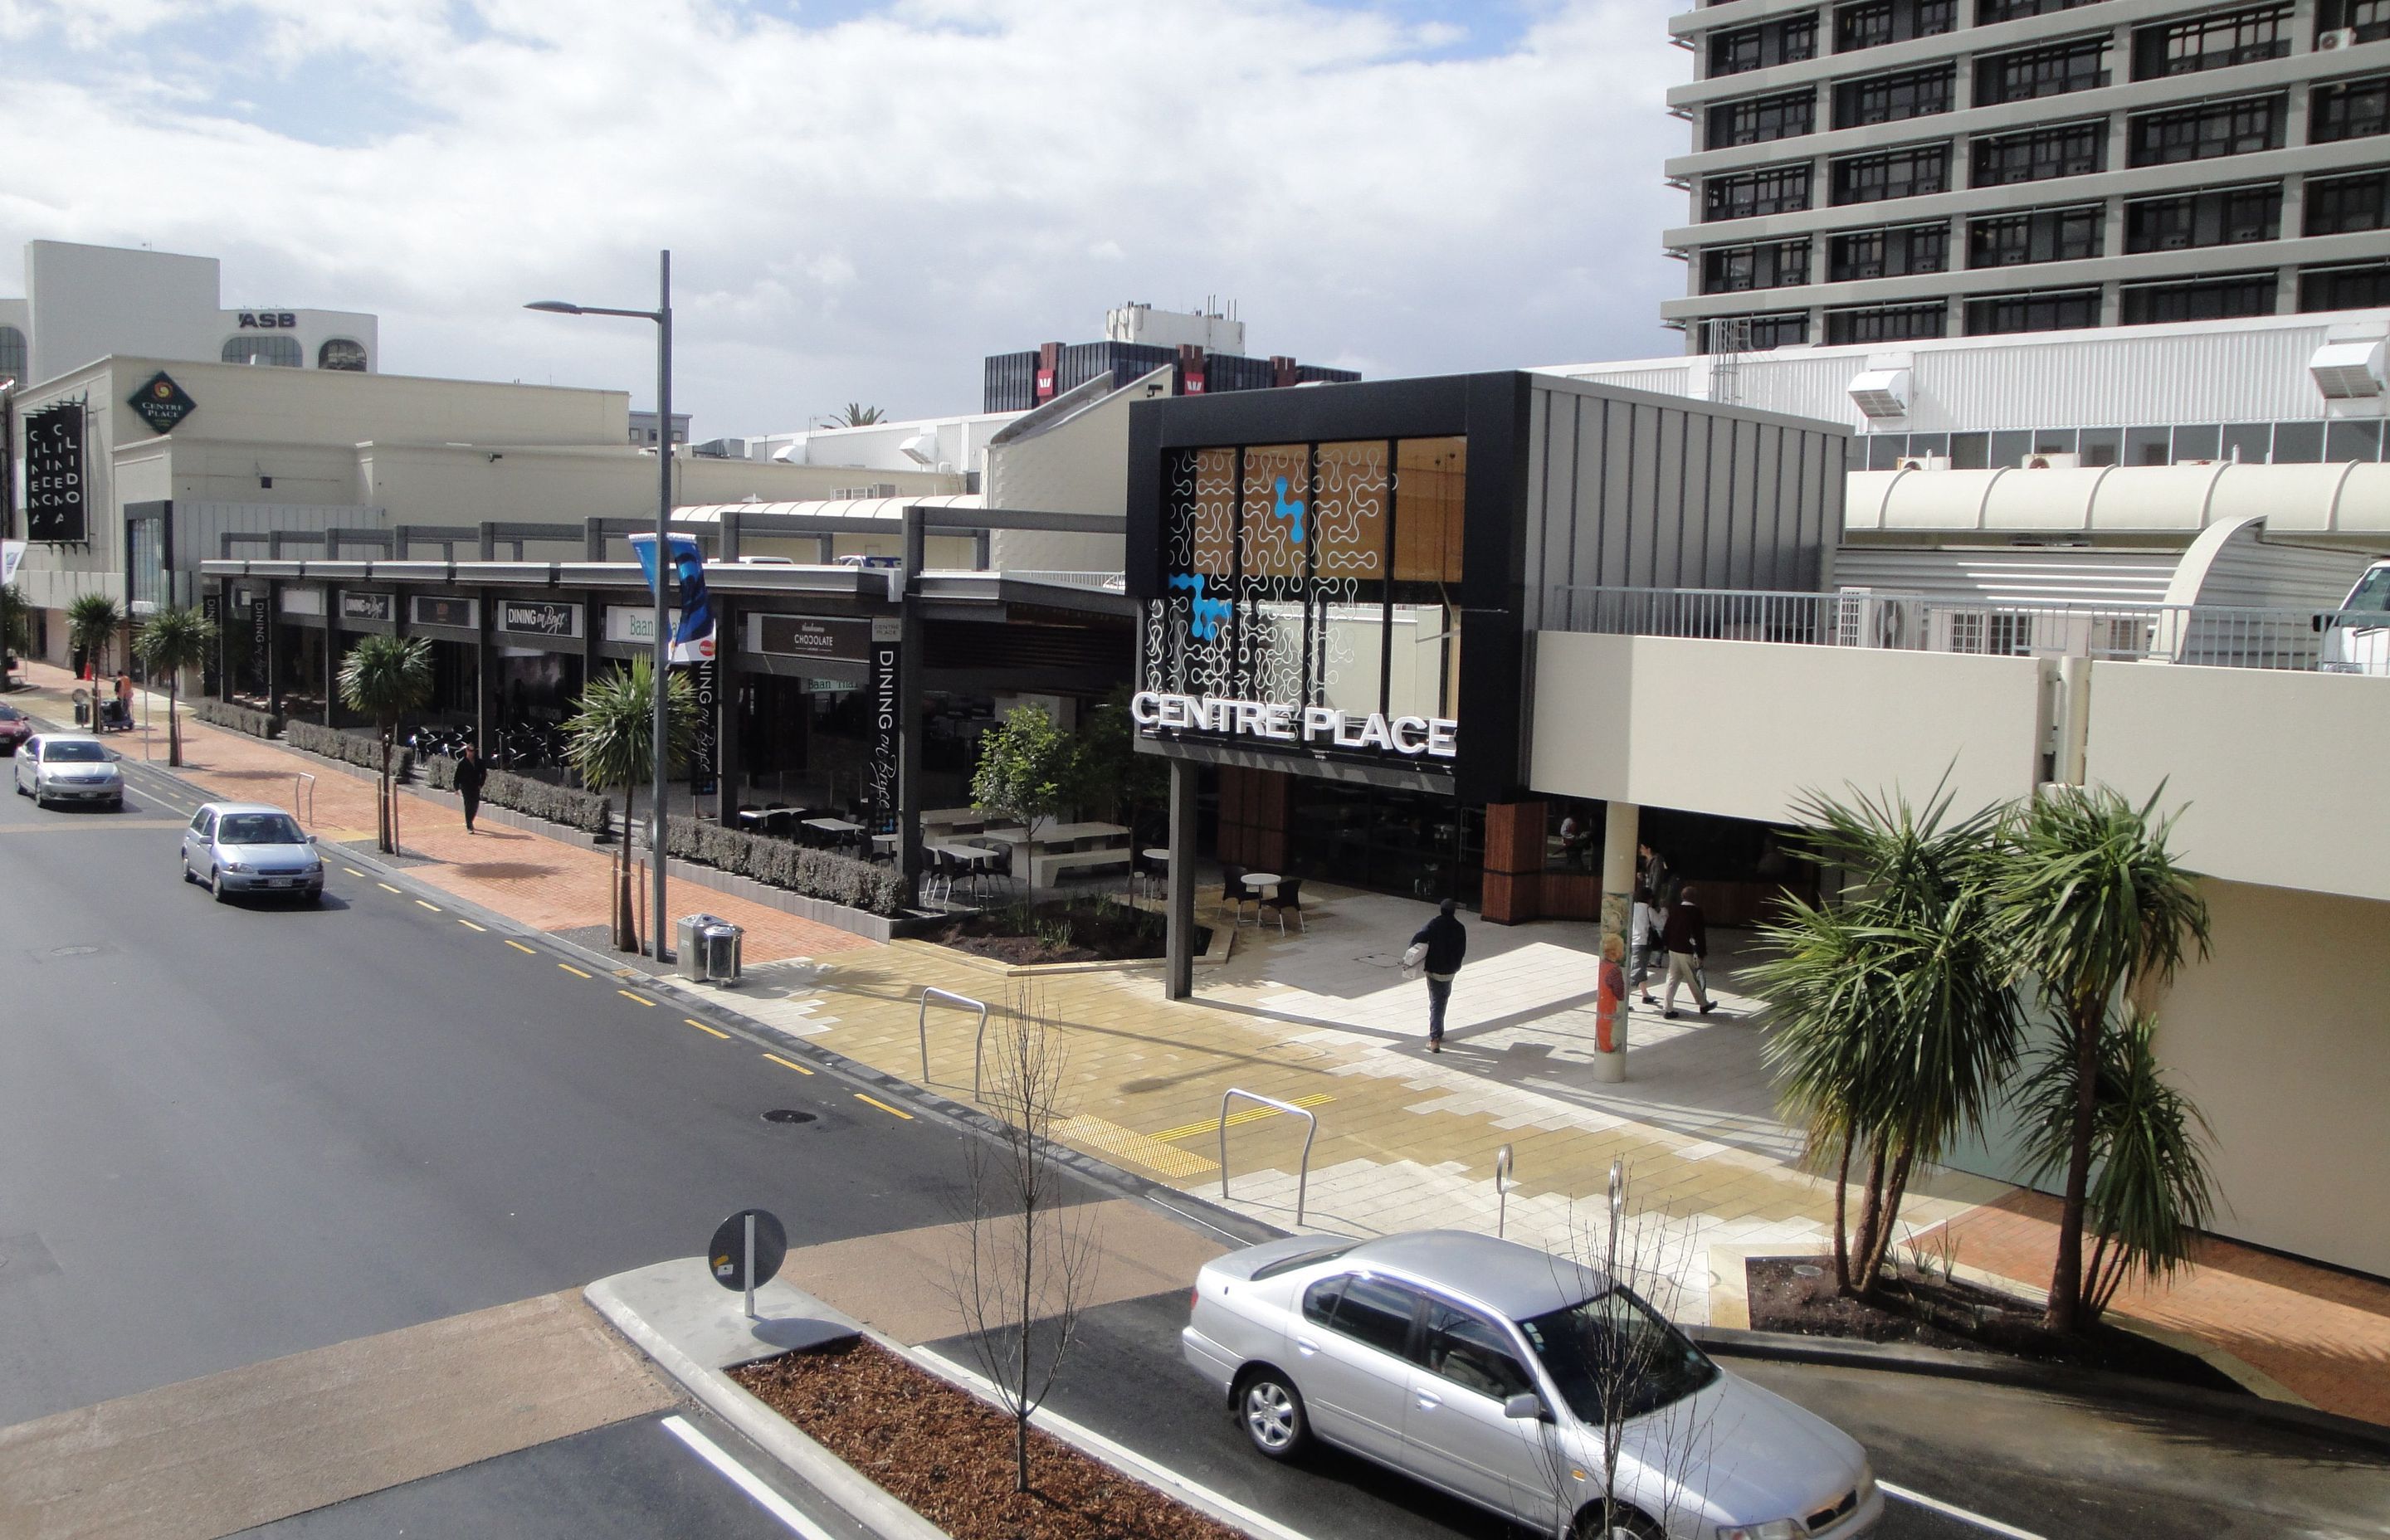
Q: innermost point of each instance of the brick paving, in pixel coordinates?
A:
(1404, 1139)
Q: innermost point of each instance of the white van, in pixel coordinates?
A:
(2354, 640)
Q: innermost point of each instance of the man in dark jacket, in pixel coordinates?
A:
(1688, 940)
(469, 776)
(1446, 943)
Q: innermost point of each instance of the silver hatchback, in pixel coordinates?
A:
(249, 848)
(1484, 1367)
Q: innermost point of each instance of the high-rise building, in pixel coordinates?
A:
(1202, 350)
(1885, 171)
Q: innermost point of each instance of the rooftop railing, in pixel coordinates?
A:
(1107, 582)
(2212, 636)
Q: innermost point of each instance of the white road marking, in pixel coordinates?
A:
(745, 1480)
(1955, 1511)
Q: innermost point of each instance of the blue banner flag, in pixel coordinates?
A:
(692, 639)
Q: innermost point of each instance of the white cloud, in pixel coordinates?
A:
(860, 210)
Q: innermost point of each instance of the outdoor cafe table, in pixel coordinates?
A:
(834, 826)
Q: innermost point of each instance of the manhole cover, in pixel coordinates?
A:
(786, 1115)
(1805, 1271)
(74, 951)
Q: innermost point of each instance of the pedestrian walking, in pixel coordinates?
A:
(1645, 923)
(124, 700)
(1688, 940)
(470, 774)
(1444, 944)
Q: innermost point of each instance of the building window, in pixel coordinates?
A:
(1756, 119)
(2211, 42)
(2035, 155)
(2349, 109)
(2334, 207)
(2364, 287)
(342, 354)
(2063, 310)
(1907, 173)
(2226, 216)
(1887, 323)
(1731, 269)
(13, 355)
(1743, 195)
(1787, 41)
(2039, 234)
(283, 353)
(1888, 253)
(1991, 11)
(2205, 299)
(1755, 333)
(1874, 23)
(2046, 71)
(2370, 19)
(1889, 98)
(2205, 132)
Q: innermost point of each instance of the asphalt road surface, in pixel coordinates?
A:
(229, 1132)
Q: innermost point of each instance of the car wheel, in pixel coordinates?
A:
(183, 859)
(216, 886)
(1627, 1524)
(1271, 1411)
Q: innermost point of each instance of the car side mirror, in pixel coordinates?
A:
(1526, 1406)
(311, 839)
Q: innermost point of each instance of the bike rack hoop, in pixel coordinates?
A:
(979, 1044)
(1302, 1177)
(303, 782)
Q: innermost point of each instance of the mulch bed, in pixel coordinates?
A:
(1099, 932)
(1957, 1314)
(948, 1456)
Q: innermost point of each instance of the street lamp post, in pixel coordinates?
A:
(661, 316)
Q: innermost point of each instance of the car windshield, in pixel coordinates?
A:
(1614, 1349)
(11, 714)
(73, 749)
(260, 829)
(2372, 591)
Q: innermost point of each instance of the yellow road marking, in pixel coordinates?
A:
(884, 1107)
(470, 926)
(703, 1027)
(640, 998)
(433, 907)
(353, 871)
(385, 887)
(773, 1057)
(1250, 1114)
(574, 971)
(521, 948)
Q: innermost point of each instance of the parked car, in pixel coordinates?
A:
(1478, 1366)
(249, 848)
(2354, 640)
(67, 767)
(15, 728)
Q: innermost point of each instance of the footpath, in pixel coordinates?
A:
(1402, 1138)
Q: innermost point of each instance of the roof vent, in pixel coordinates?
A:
(1922, 462)
(2049, 460)
(2349, 370)
(922, 447)
(1882, 392)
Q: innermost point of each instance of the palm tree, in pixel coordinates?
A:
(169, 642)
(91, 623)
(2153, 1193)
(2092, 900)
(610, 740)
(385, 677)
(1896, 1022)
(855, 415)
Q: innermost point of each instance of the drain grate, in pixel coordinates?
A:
(788, 1114)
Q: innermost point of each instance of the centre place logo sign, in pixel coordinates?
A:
(1322, 726)
(161, 403)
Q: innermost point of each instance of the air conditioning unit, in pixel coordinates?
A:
(1882, 392)
(1922, 462)
(2053, 461)
(2354, 369)
(2336, 39)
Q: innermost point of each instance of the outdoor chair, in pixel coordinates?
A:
(1234, 893)
(1288, 897)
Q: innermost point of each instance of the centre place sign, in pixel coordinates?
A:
(1321, 727)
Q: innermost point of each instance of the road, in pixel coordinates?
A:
(237, 1132)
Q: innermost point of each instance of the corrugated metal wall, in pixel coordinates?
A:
(1627, 492)
(2011, 574)
(2250, 571)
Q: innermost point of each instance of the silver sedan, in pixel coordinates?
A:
(1501, 1374)
(67, 767)
(249, 848)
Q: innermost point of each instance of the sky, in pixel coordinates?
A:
(862, 200)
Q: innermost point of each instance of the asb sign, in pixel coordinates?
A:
(1311, 726)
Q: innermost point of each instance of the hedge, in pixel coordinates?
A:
(351, 748)
(241, 719)
(796, 868)
(586, 811)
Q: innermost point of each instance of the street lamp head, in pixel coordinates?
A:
(555, 307)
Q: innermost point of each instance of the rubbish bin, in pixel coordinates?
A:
(721, 946)
(689, 949)
(82, 708)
